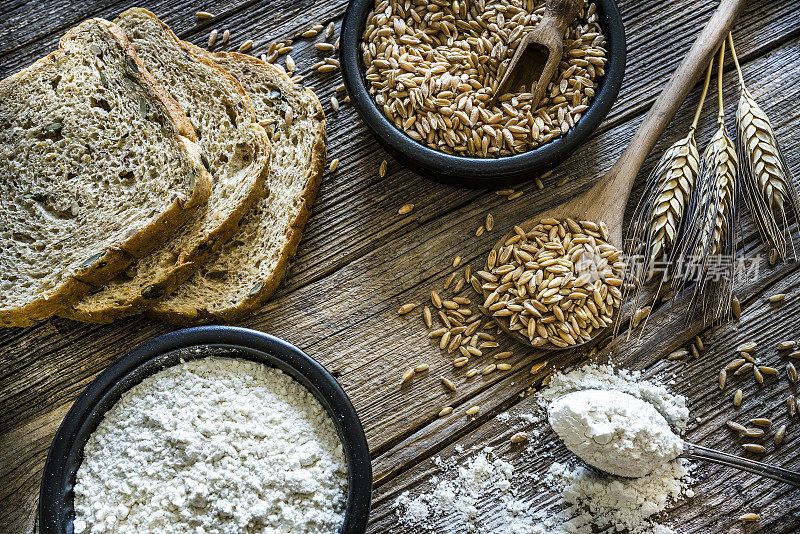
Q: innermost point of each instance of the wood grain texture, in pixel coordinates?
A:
(360, 261)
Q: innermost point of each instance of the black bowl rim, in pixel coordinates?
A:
(479, 172)
(55, 499)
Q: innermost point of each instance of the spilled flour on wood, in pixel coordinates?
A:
(570, 498)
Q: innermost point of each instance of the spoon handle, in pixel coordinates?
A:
(616, 185)
(770, 471)
(561, 13)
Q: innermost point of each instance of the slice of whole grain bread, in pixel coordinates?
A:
(98, 165)
(247, 270)
(238, 154)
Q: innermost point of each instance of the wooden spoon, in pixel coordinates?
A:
(540, 51)
(606, 200)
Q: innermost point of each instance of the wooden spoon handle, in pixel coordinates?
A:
(561, 13)
(619, 179)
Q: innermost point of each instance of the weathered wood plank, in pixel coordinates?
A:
(721, 494)
(360, 260)
(22, 455)
(356, 183)
(363, 295)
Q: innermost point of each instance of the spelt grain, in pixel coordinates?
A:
(519, 437)
(791, 372)
(733, 425)
(405, 308)
(405, 209)
(780, 434)
(449, 280)
(535, 368)
(461, 361)
(760, 421)
(427, 316)
(407, 376)
(736, 307)
(750, 346)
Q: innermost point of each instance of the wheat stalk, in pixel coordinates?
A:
(656, 223)
(708, 250)
(766, 179)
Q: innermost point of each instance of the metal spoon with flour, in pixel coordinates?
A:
(622, 435)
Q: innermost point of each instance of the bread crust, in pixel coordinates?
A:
(314, 174)
(113, 260)
(190, 260)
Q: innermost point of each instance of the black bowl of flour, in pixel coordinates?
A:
(56, 512)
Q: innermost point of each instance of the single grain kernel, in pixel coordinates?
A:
(405, 308)
(519, 437)
(405, 208)
(407, 376)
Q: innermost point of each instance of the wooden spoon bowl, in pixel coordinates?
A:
(606, 200)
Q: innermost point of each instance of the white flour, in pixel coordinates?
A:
(460, 496)
(570, 498)
(596, 501)
(614, 431)
(605, 377)
(214, 445)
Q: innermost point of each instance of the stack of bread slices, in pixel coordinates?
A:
(142, 174)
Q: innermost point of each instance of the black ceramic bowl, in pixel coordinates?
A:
(66, 453)
(483, 173)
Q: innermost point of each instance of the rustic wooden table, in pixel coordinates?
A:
(360, 260)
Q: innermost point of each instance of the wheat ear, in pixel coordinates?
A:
(708, 250)
(766, 179)
(658, 218)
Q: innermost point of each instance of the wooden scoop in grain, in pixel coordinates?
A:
(540, 51)
(606, 200)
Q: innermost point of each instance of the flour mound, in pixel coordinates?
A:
(459, 496)
(605, 377)
(570, 498)
(213, 445)
(614, 431)
(598, 501)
